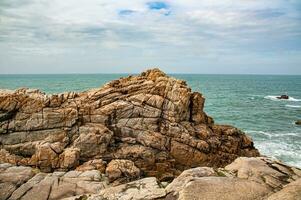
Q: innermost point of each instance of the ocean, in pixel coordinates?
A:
(246, 101)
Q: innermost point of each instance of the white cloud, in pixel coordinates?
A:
(187, 28)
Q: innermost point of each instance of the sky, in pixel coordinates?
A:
(178, 36)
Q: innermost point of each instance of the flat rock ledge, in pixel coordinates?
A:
(149, 125)
(257, 178)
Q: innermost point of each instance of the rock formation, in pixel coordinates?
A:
(135, 138)
(244, 179)
(139, 126)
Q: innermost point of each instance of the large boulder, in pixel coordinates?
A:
(244, 179)
(291, 191)
(29, 184)
(264, 170)
(153, 120)
(118, 169)
(12, 177)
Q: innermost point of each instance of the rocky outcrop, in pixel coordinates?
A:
(244, 179)
(298, 122)
(147, 188)
(151, 123)
(27, 183)
(241, 180)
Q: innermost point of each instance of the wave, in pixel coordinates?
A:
(293, 106)
(278, 144)
(274, 98)
(273, 135)
(280, 150)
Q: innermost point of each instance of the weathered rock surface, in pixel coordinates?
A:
(118, 169)
(244, 179)
(12, 177)
(154, 121)
(147, 188)
(201, 183)
(25, 183)
(291, 191)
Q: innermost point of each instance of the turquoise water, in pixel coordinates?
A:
(245, 101)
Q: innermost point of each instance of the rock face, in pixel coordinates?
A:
(25, 183)
(94, 145)
(244, 179)
(152, 121)
(241, 180)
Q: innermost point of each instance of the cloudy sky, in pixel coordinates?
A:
(179, 36)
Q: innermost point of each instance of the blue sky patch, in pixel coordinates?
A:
(269, 13)
(126, 12)
(157, 5)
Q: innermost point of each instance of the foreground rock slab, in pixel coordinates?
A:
(152, 121)
(241, 180)
(244, 179)
(147, 188)
(27, 183)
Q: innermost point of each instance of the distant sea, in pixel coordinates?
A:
(246, 101)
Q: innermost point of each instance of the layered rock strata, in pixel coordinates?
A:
(151, 123)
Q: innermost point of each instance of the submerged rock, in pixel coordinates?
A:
(284, 96)
(152, 120)
(298, 122)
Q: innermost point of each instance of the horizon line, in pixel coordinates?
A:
(124, 73)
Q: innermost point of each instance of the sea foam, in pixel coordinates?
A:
(274, 98)
(293, 106)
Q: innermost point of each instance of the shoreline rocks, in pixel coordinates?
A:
(244, 179)
(140, 137)
(152, 121)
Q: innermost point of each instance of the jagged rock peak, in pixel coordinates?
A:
(153, 73)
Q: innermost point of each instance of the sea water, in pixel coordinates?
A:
(246, 101)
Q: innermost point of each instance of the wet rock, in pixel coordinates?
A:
(298, 122)
(284, 96)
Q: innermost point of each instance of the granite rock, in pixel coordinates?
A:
(151, 119)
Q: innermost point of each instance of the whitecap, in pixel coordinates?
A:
(273, 135)
(293, 106)
(269, 135)
(293, 99)
(274, 98)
